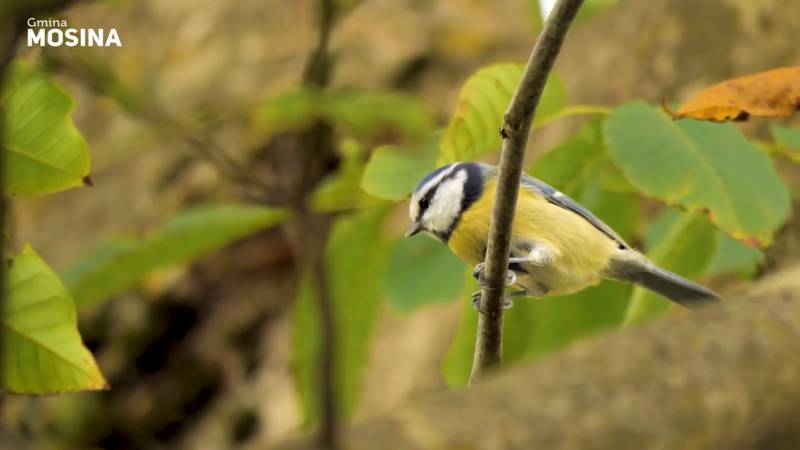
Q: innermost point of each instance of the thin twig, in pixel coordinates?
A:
(318, 69)
(317, 74)
(515, 129)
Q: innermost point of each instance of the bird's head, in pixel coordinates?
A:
(442, 196)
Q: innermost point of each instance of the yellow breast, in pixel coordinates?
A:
(581, 247)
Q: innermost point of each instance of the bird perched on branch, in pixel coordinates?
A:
(558, 247)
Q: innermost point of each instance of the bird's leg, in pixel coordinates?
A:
(539, 254)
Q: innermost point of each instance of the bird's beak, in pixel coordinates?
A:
(415, 228)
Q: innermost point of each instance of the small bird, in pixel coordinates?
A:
(558, 247)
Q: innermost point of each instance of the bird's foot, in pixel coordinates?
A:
(476, 302)
(480, 268)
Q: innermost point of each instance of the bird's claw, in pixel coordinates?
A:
(476, 302)
(477, 271)
(480, 268)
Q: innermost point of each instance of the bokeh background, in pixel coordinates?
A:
(204, 355)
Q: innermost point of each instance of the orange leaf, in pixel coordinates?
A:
(774, 93)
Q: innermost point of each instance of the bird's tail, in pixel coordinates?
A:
(672, 286)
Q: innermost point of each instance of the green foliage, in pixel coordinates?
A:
(581, 168)
(355, 259)
(45, 152)
(789, 140)
(374, 115)
(292, 109)
(342, 191)
(120, 264)
(699, 166)
(357, 113)
(734, 257)
(536, 327)
(393, 171)
(422, 271)
(474, 128)
(581, 164)
(42, 350)
(681, 242)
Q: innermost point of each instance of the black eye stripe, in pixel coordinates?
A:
(425, 201)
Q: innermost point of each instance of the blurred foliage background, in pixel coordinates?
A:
(194, 297)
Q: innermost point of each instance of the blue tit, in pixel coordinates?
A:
(558, 247)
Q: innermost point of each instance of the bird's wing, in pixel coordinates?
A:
(558, 198)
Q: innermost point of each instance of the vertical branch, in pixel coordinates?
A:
(318, 69)
(515, 129)
(314, 230)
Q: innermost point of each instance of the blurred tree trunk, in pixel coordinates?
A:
(723, 378)
(649, 49)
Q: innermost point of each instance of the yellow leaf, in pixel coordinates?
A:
(774, 93)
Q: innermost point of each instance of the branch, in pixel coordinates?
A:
(315, 228)
(318, 68)
(515, 129)
(725, 377)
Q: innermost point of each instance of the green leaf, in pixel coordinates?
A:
(377, 115)
(699, 166)
(293, 109)
(118, 265)
(733, 257)
(681, 242)
(579, 167)
(393, 171)
(342, 191)
(789, 140)
(355, 258)
(422, 271)
(542, 326)
(482, 102)
(45, 152)
(42, 349)
(361, 114)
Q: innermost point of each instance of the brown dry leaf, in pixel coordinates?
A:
(774, 93)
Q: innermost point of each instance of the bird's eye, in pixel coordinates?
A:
(424, 203)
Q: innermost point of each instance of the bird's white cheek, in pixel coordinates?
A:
(441, 216)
